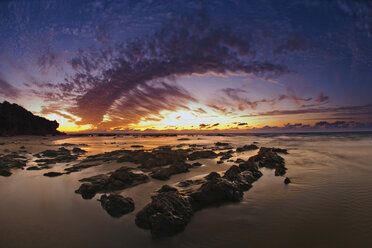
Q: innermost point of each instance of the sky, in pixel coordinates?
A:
(210, 66)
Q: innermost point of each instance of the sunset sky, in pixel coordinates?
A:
(189, 65)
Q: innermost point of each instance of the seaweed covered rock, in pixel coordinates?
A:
(117, 205)
(168, 213)
(15, 120)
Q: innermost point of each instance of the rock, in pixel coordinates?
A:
(216, 190)
(165, 173)
(15, 120)
(247, 148)
(62, 155)
(239, 161)
(11, 161)
(53, 174)
(242, 179)
(279, 150)
(5, 173)
(212, 176)
(221, 144)
(78, 150)
(168, 214)
(121, 178)
(196, 164)
(220, 162)
(188, 183)
(166, 188)
(38, 167)
(202, 154)
(183, 139)
(136, 146)
(266, 157)
(117, 205)
(287, 180)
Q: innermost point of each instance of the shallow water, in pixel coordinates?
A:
(328, 203)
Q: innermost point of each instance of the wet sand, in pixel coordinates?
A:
(327, 204)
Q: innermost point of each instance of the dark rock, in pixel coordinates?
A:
(136, 146)
(5, 173)
(166, 188)
(221, 144)
(220, 162)
(78, 150)
(287, 180)
(183, 139)
(202, 154)
(165, 173)
(266, 157)
(216, 191)
(247, 148)
(188, 183)
(242, 179)
(167, 214)
(117, 205)
(279, 150)
(121, 178)
(212, 176)
(239, 161)
(196, 164)
(11, 161)
(53, 174)
(15, 120)
(62, 155)
(42, 167)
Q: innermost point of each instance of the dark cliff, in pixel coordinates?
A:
(15, 120)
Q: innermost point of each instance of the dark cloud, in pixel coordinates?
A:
(319, 126)
(8, 90)
(186, 46)
(359, 110)
(242, 124)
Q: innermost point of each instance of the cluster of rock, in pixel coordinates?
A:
(170, 210)
(121, 178)
(11, 161)
(15, 120)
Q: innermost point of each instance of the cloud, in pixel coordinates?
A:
(188, 45)
(8, 90)
(322, 98)
(319, 126)
(344, 111)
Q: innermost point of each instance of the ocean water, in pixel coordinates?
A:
(328, 203)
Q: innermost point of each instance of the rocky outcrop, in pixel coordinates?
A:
(15, 120)
(267, 157)
(117, 205)
(121, 178)
(170, 210)
(168, 213)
